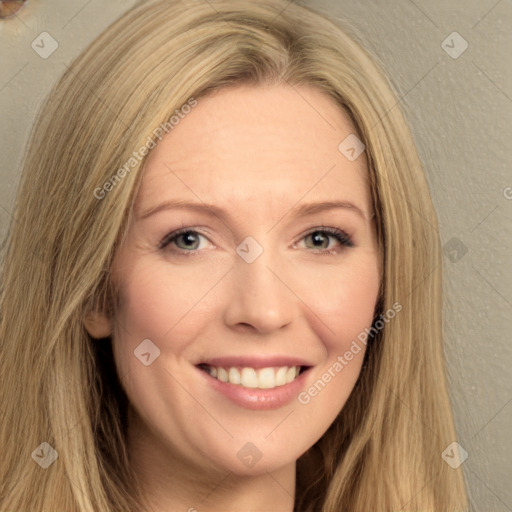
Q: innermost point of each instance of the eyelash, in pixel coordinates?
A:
(338, 234)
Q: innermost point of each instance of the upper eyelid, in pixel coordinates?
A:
(326, 229)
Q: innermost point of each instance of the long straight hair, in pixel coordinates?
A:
(383, 451)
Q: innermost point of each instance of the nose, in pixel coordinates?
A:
(261, 299)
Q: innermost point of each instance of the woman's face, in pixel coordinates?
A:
(258, 286)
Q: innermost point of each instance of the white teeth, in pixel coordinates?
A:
(234, 376)
(267, 378)
(222, 375)
(263, 378)
(281, 376)
(291, 374)
(249, 378)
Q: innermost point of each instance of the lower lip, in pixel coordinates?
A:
(255, 398)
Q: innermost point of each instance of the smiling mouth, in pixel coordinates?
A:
(254, 378)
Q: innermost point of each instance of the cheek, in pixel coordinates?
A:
(342, 306)
(147, 310)
(160, 305)
(343, 299)
(344, 310)
(154, 297)
(354, 308)
(338, 301)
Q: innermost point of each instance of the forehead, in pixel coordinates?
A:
(256, 144)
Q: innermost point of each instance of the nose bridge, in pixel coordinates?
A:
(259, 296)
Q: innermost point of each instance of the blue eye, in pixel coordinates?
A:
(191, 240)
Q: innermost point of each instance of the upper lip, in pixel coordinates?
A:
(257, 361)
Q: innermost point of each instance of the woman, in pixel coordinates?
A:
(254, 371)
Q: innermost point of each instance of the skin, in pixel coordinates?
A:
(257, 152)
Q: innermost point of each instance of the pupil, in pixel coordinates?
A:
(318, 237)
(188, 238)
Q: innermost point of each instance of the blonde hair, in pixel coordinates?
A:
(383, 452)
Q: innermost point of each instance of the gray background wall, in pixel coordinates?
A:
(460, 110)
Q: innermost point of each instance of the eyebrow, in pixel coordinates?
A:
(214, 211)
